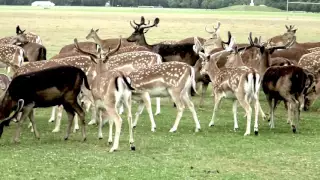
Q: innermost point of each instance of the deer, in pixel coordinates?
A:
(106, 43)
(34, 51)
(30, 37)
(82, 62)
(45, 88)
(126, 63)
(287, 37)
(240, 83)
(169, 79)
(109, 88)
(176, 52)
(288, 83)
(13, 56)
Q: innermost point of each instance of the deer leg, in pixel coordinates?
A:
(234, 109)
(58, 120)
(158, 101)
(139, 111)
(76, 123)
(81, 115)
(70, 113)
(25, 113)
(53, 114)
(127, 103)
(147, 101)
(295, 112)
(217, 100)
(121, 109)
(113, 116)
(243, 100)
(203, 93)
(34, 126)
(179, 106)
(257, 107)
(190, 105)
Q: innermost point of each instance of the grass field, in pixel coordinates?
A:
(274, 154)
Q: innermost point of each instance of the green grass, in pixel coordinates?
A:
(274, 154)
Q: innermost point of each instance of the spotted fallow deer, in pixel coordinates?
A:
(126, 63)
(173, 79)
(109, 88)
(241, 84)
(11, 55)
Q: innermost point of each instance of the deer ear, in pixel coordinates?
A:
(294, 30)
(156, 21)
(256, 41)
(142, 20)
(97, 30)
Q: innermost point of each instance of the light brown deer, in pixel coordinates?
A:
(173, 79)
(30, 37)
(241, 84)
(106, 43)
(126, 63)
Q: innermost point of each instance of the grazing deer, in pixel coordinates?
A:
(106, 43)
(126, 63)
(241, 83)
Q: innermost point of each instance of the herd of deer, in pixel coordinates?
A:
(106, 75)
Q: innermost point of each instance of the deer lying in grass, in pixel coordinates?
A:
(128, 62)
(241, 83)
(50, 87)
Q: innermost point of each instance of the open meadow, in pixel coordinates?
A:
(213, 153)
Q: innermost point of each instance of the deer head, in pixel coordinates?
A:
(141, 28)
(215, 32)
(283, 39)
(92, 34)
(20, 37)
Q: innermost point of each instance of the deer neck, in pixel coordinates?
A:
(142, 42)
(265, 62)
(97, 39)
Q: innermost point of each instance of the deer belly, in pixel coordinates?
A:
(158, 92)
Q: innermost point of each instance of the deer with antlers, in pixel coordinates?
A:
(283, 39)
(126, 63)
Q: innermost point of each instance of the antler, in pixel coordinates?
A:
(210, 32)
(113, 50)
(92, 56)
(218, 26)
(142, 22)
(229, 39)
(19, 31)
(155, 23)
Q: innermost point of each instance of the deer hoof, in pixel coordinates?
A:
(133, 148)
(256, 133)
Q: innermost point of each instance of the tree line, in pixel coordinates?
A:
(205, 4)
